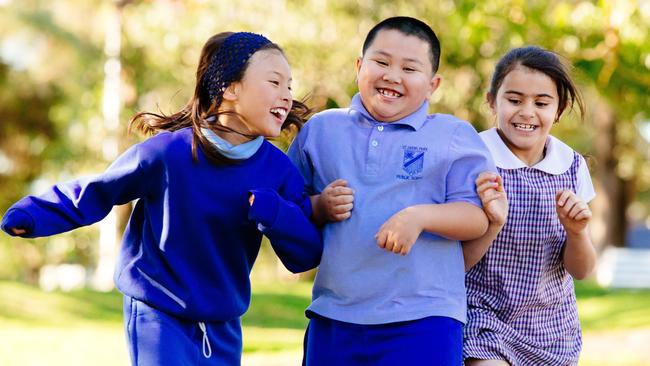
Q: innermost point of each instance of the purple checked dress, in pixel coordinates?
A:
(521, 300)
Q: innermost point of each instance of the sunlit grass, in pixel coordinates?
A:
(603, 309)
(85, 327)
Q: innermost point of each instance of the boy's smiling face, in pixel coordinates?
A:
(395, 75)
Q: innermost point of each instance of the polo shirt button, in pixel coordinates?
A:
(380, 128)
(374, 143)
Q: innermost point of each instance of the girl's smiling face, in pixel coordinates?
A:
(262, 99)
(526, 106)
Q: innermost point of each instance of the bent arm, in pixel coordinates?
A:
(295, 239)
(454, 220)
(474, 250)
(579, 255)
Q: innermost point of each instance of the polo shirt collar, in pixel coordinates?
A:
(414, 120)
(558, 158)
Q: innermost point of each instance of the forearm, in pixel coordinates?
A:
(296, 240)
(474, 250)
(456, 220)
(579, 255)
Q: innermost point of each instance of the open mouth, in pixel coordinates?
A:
(389, 93)
(525, 127)
(279, 113)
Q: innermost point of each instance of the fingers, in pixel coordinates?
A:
(487, 181)
(571, 206)
(381, 237)
(18, 231)
(390, 241)
(338, 187)
(562, 197)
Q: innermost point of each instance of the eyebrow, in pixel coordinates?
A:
(407, 59)
(522, 94)
(281, 75)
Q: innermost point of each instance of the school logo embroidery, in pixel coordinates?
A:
(413, 162)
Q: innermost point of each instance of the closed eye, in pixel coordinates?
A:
(274, 82)
(514, 101)
(382, 63)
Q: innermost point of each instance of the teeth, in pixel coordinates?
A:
(281, 111)
(389, 93)
(521, 126)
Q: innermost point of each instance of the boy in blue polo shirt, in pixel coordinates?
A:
(414, 194)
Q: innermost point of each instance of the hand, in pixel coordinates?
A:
(489, 187)
(336, 201)
(17, 231)
(573, 212)
(251, 199)
(399, 233)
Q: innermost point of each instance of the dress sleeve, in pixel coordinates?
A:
(584, 186)
(67, 206)
(284, 218)
(469, 157)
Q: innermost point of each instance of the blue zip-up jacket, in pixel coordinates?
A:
(192, 237)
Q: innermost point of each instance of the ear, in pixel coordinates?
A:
(491, 103)
(232, 92)
(434, 83)
(357, 68)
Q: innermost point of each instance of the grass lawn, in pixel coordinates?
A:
(85, 327)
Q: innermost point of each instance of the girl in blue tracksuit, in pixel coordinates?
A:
(207, 185)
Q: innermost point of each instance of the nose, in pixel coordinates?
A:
(392, 76)
(527, 110)
(287, 96)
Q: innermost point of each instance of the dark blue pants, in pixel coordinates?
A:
(435, 341)
(155, 338)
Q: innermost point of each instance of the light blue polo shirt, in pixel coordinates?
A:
(420, 159)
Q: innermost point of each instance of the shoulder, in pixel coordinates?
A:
(451, 124)
(328, 117)
(274, 157)
(165, 141)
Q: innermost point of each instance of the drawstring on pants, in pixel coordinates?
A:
(207, 351)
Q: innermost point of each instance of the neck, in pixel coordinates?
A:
(530, 157)
(232, 122)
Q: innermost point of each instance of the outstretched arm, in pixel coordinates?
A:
(77, 203)
(579, 255)
(489, 187)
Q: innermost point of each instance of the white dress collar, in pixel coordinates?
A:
(558, 158)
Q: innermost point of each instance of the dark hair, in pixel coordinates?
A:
(544, 61)
(410, 27)
(201, 111)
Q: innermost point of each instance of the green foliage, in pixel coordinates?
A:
(52, 69)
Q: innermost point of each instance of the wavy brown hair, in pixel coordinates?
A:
(201, 112)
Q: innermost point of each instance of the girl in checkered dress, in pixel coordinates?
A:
(521, 300)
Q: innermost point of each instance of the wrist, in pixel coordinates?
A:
(416, 215)
(577, 234)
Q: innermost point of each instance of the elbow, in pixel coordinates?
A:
(296, 268)
(476, 228)
(582, 273)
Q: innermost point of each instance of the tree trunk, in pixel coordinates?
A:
(612, 193)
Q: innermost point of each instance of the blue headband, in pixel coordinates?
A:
(229, 61)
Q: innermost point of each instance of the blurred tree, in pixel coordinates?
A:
(52, 79)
